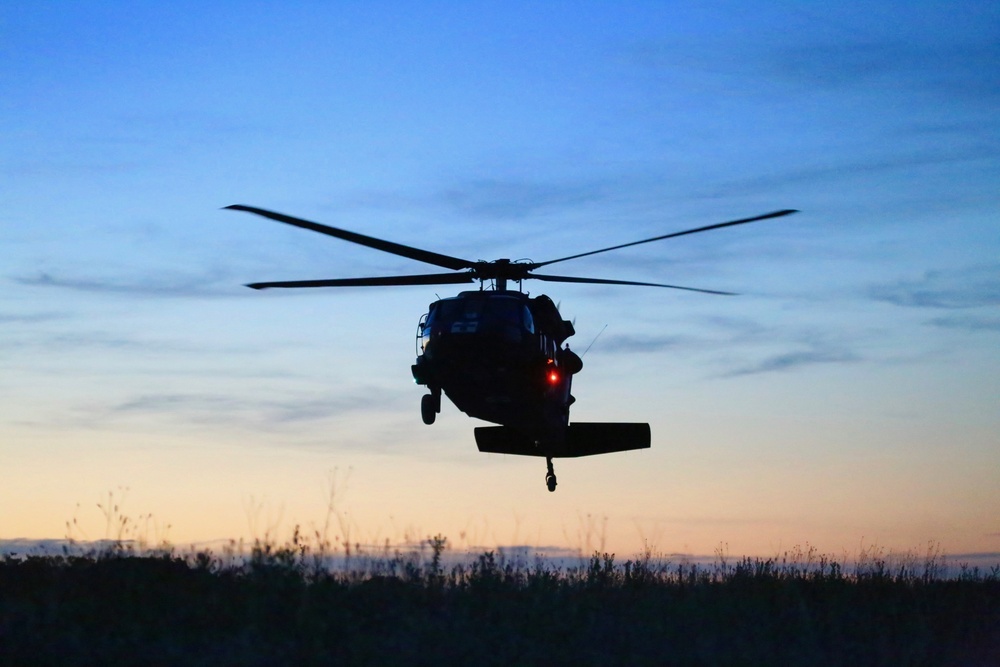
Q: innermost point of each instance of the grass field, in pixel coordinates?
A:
(295, 605)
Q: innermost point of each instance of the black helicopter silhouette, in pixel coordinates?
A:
(498, 354)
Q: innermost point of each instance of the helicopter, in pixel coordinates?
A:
(499, 354)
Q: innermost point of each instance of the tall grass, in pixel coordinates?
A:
(320, 597)
(303, 602)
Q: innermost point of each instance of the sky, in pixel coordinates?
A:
(847, 399)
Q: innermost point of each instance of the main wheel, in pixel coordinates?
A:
(428, 409)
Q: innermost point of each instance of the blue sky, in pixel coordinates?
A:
(848, 396)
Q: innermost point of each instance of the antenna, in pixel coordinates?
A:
(593, 341)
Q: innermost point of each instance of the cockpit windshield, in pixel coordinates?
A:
(507, 316)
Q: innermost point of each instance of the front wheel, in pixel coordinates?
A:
(428, 409)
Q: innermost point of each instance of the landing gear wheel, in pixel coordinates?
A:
(428, 408)
(550, 476)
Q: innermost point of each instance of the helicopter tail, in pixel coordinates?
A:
(582, 439)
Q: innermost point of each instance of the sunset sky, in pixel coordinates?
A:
(850, 396)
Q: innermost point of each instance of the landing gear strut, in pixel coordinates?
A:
(550, 476)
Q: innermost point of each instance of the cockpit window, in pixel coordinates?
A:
(473, 309)
(506, 316)
(529, 321)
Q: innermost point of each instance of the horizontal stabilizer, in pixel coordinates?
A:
(582, 439)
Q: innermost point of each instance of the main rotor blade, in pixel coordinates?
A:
(410, 252)
(604, 281)
(423, 279)
(766, 216)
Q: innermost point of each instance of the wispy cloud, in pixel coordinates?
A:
(128, 143)
(81, 340)
(513, 199)
(808, 347)
(971, 287)
(69, 166)
(641, 344)
(791, 360)
(717, 331)
(29, 318)
(964, 68)
(218, 407)
(230, 410)
(832, 56)
(967, 322)
(832, 171)
(745, 338)
(181, 286)
(85, 340)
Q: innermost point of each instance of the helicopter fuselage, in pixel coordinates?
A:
(498, 356)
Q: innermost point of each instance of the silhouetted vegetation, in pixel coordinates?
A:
(294, 605)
